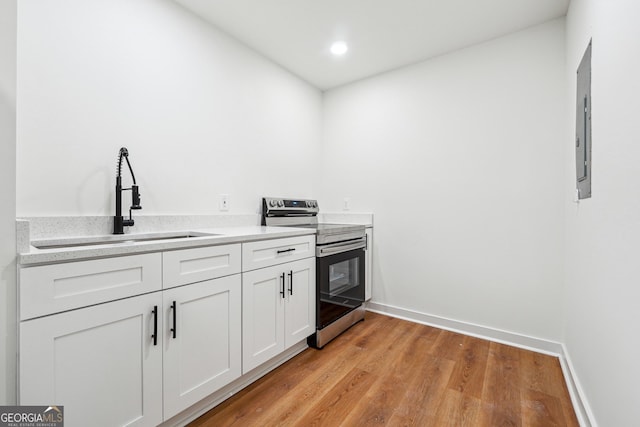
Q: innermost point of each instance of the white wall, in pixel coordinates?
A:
(8, 206)
(602, 301)
(200, 113)
(461, 160)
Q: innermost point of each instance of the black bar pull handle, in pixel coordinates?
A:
(174, 310)
(155, 325)
(282, 289)
(291, 282)
(282, 251)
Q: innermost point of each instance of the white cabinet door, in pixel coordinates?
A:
(203, 344)
(278, 309)
(368, 255)
(300, 308)
(99, 362)
(262, 315)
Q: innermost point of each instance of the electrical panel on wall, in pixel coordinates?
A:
(583, 126)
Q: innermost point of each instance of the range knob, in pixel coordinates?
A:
(272, 203)
(314, 204)
(280, 203)
(308, 203)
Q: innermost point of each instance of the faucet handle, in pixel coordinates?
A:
(135, 196)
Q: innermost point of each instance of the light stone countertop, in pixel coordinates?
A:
(221, 235)
(237, 228)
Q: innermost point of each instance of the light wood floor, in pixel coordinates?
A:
(386, 371)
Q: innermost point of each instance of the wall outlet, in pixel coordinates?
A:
(224, 202)
(345, 205)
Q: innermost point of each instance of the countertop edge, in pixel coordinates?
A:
(233, 235)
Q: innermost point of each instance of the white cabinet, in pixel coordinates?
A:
(99, 362)
(368, 261)
(135, 340)
(202, 341)
(278, 309)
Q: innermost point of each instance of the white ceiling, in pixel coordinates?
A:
(381, 34)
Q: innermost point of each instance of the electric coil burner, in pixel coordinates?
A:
(340, 269)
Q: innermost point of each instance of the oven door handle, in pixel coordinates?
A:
(342, 247)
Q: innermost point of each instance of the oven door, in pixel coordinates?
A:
(340, 285)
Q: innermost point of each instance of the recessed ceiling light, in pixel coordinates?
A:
(339, 48)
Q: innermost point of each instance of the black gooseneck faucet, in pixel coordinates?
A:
(118, 221)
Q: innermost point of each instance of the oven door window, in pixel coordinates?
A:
(343, 276)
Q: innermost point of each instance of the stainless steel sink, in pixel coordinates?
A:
(115, 239)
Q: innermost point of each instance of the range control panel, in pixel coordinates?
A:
(276, 206)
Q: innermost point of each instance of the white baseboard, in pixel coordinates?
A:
(584, 413)
(492, 334)
(539, 345)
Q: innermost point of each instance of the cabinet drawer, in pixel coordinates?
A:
(276, 251)
(199, 264)
(51, 289)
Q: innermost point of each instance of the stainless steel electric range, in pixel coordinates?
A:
(340, 264)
